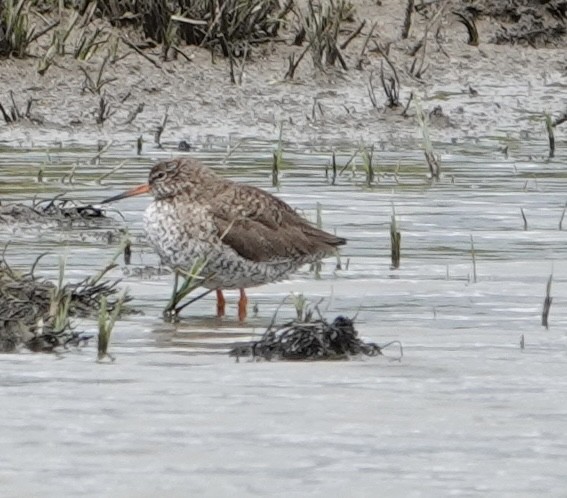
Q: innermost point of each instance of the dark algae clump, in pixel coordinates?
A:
(310, 340)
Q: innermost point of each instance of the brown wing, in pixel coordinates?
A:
(250, 202)
(263, 228)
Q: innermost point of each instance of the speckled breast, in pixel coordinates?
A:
(184, 235)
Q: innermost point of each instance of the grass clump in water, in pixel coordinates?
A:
(35, 313)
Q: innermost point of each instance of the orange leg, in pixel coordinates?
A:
(220, 303)
(242, 305)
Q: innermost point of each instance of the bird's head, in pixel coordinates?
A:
(169, 179)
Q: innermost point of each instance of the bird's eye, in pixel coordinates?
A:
(160, 175)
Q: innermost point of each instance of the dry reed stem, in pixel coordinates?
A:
(524, 218)
(471, 28)
(407, 19)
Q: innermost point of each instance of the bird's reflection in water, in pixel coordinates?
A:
(207, 334)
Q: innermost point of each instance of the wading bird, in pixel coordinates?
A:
(242, 235)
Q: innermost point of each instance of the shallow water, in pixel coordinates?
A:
(466, 411)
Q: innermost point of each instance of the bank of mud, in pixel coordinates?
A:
(496, 90)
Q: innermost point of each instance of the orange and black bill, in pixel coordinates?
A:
(139, 190)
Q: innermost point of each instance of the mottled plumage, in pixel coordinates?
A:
(245, 236)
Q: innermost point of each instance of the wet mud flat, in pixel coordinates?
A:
(361, 85)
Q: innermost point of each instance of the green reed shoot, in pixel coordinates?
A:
(547, 303)
(127, 252)
(334, 168)
(300, 303)
(322, 25)
(62, 35)
(95, 84)
(550, 134)
(16, 23)
(112, 263)
(62, 305)
(110, 173)
(57, 45)
(317, 265)
(170, 38)
(473, 256)
(192, 280)
(524, 218)
(339, 264)
(277, 159)
(18, 33)
(60, 301)
(88, 44)
(430, 158)
(367, 156)
(562, 216)
(106, 322)
(395, 241)
(275, 169)
(113, 50)
(161, 128)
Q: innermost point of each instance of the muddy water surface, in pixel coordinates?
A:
(466, 412)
